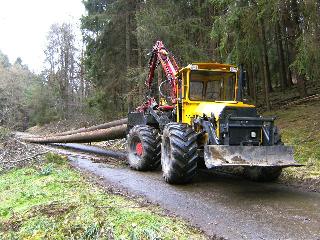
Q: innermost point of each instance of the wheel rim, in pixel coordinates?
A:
(135, 150)
(139, 149)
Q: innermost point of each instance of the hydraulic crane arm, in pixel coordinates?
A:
(169, 65)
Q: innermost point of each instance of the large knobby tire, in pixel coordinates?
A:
(144, 148)
(265, 174)
(179, 153)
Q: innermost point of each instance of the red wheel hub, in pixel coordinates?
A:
(139, 149)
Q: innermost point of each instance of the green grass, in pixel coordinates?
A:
(53, 201)
(300, 127)
(4, 133)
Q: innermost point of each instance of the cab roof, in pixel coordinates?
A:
(210, 66)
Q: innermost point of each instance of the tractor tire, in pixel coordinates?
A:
(179, 154)
(144, 148)
(262, 174)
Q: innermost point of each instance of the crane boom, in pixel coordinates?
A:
(160, 55)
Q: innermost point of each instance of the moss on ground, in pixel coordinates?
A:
(53, 201)
(300, 127)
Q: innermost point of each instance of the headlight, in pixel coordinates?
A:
(253, 134)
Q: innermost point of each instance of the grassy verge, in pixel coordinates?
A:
(53, 201)
(300, 127)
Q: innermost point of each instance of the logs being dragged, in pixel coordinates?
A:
(111, 133)
(92, 149)
(92, 128)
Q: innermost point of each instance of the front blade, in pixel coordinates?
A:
(264, 156)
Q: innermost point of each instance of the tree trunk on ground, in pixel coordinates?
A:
(96, 127)
(116, 132)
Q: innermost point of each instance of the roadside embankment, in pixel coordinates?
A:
(300, 127)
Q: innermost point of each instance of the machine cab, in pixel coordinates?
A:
(204, 85)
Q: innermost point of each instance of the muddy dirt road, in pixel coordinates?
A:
(222, 205)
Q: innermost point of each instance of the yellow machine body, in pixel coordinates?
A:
(192, 108)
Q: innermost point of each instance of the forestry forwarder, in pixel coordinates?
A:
(202, 122)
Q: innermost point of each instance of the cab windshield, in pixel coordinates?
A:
(212, 86)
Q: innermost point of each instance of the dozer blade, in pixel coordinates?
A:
(264, 156)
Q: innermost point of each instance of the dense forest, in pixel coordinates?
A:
(276, 41)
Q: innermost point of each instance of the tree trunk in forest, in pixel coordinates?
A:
(266, 70)
(199, 35)
(318, 22)
(265, 55)
(139, 56)
(252, 83)
(128, 60)
(296, 18)
(288, 60)
(285, 27)
(128, 44)
(248, 81)
(282, 70)
(81, 78)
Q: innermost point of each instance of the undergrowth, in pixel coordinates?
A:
(53, 201)
(300, 128)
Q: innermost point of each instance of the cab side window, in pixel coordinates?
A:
(196, 90)
(213, 92)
